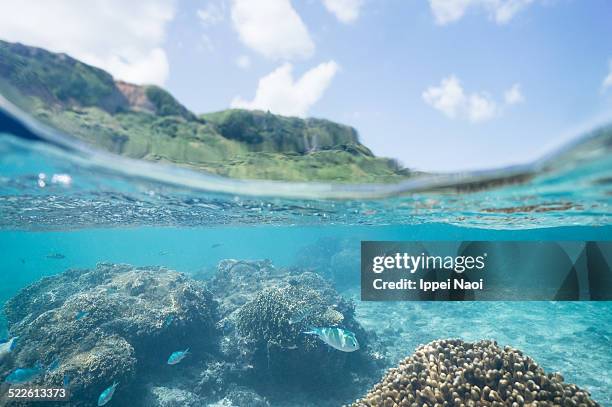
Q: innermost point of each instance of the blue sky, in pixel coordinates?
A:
(438, 84)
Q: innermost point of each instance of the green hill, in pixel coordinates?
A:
(146, 122)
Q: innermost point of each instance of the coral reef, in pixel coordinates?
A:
(452, 372)
(171, 397)
(265, 311)
(241, 396)
(236, 282)
(244, 328)
(279, 347)
(107, 324)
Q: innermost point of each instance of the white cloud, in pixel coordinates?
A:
(211, 14)
(272, 28)
(243, 61)
(124, 37)
(281, 94)
(480, 108)
(450, 98)
(447, 98)
(607, 82)
(445, 11)
(514, 95)
(501, 11)
(346, 11)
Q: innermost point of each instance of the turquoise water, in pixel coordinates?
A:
(92, 213)
(571, 337)
(198, 250)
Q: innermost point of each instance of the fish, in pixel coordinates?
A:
(215, 245)
(56, 256)
(81, 314)
(24, 375)
(7, 347)
(107, 394)
(177, 356)
(163, 253)
(337, 338)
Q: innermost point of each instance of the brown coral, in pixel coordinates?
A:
(452, 372)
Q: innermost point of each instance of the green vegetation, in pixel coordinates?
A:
(57, 79)
(165, 104)
(146, 122)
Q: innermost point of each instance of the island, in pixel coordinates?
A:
(147, 122)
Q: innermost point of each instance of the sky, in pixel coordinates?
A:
(440, 85)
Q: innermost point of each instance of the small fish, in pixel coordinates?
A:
(24, 375)
(177, 356)
(337, 338)
(7, 347)
(22, 260)
(56, 256)
(215, 245)
(81, 314)
(163, 253)
(66, 381)
(107, 394)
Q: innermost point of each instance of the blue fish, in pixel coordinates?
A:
(177, 356)
(337, 338)
(24, 375)
(81, 314)
(107, 394)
